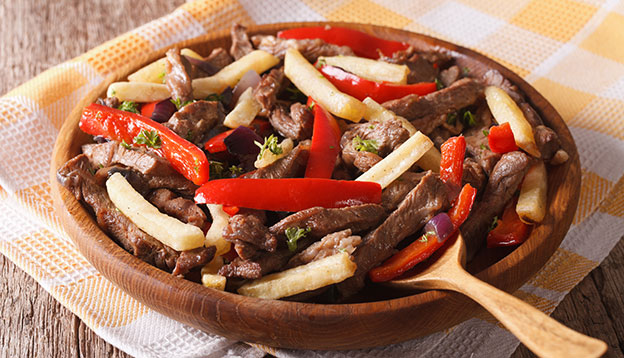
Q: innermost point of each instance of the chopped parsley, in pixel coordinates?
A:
(494, 224)
(293, 234)
(216, 169)
(179, 104)
(270, 143)
(311, 107)
(439, 85)
(483, 147)
(466, 70)
(125, 145)
(426, 236)
(149, 138)
(129, 106)
(486, 132)
(451, 118)
(214, 97)
(365, 145)
(162, 75)
(189, 135)
(469, 119)
(235, 170)
(320, 63)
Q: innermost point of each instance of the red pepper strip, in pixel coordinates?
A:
(231, 210)
(364, 45)
(185, 157)
(501, 139)
(292, 194)
(216, 144)
(422, 248)
(325, 144)
(361, 88)
(452, 162)
(509, 231)
(148, 108)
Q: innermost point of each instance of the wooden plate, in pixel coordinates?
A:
(388, 317)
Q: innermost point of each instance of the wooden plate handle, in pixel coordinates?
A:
(541, 334)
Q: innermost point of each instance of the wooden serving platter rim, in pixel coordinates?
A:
(338, 326)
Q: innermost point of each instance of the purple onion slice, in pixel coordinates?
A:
(250, 79)
(241, 141)
(163, 110)
(441, 225)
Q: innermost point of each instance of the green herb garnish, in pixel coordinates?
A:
(179, 104)
(162, 75)
(439, 84)
(486, 132)
(483, 147)
(129, 106)
(466, 70)
(293, 234)
(125, 145)
(149, 138)
(214, 97)
(469, 119)
(320, 63)
(494, 224)
(365, 145)
(296, 94)
(235, 170)
(451, 118)
(270, 143)
(216, 169)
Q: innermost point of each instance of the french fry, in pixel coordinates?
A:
(214, 236)
(531, 206)
(505, 110)
(399, 161)
(244, 112)
(257, 60)
(269, 157)
(312, 83)
(377, 113)
(210, 276)
(316, 274)
(155, 71)
(378, 71)
(138, 91)
(164, 228)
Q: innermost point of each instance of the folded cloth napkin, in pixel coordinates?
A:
(571, 51)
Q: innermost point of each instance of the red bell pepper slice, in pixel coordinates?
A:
(422, 248)
(231, 210)
(510, 230)
(452, 162)
(216, 143)
(501, 139)
(292, 194)
(363, 44)
(148, 108)
(185, 157)
(361, 88)
(325, 144)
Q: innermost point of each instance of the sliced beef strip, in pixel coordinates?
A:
(291, 166)
(547, 141)
(183, 209)
(428, 124)
(144, 161)
(195, 120)
(112, 102)
(450, 75)
(531, 115)
(296, 125)
(394, 193)
(145, 183)
(249, 228)
(258, 266)
(179, 75)
(341, 241)
(477, 143)
(311, 49)
(423, 65)
(458, 95)
(219, 58)
(240, 41)
(76, 176)
(495, 78)
(388, 135)
(322, 221)
(365, 160)
(421, 204)
(268, 88)
(473, 174)
(502, 184)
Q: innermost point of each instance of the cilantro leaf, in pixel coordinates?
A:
(128, 106)
(149, 138)
(365, 145)
(293, 234)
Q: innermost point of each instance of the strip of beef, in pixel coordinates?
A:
(311, 49)
(112, 102)
(146, 183)
(458, 95)
(260, 265)
(144, 161)
(291, 166)
(365, 160)
(450, 75)
(183, 209)
(495, 78)
(322, 221)
(531, 116)
(196, 119)
(268, 88)
(388, 135)
(76, 176)
(250, 228)
(178, 79)
(502, 184)
(421, 204)
(473, 174)
(219, 58)
(546, 139)
(296, 125)
(341, 241)
(240, 41)
(423, 65)
(394, 193)
(477, 142)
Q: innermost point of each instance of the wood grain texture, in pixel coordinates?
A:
(31, 40)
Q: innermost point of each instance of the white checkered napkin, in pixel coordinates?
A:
(570, 50)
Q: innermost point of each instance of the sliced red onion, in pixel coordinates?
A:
(241, 141)
(163, 110)
(205, 66)
(250, 79)
(441, 225)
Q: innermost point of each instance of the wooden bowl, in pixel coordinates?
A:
(387, 317)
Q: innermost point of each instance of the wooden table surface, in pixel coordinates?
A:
(36, 35)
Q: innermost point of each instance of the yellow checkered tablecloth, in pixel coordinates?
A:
(572, 51)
